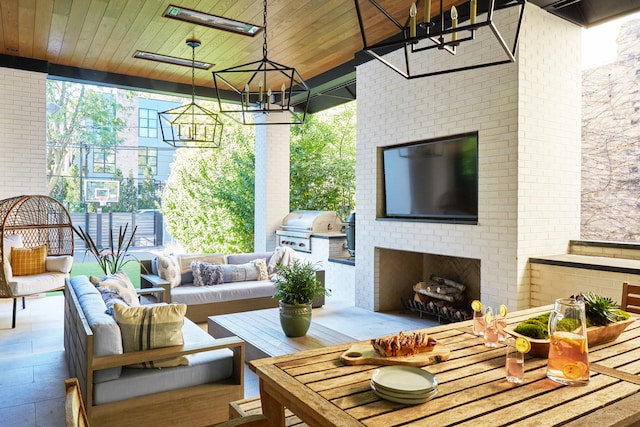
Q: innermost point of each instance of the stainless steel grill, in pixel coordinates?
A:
(298, 227)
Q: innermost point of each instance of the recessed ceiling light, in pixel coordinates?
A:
(171, 60)
(211, 21)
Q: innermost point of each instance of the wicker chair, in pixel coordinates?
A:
(34, 220)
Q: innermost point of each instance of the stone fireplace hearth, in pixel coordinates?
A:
(400, 270)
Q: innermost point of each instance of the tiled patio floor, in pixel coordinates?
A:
(33, 369)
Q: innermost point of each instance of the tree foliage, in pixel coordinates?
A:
(208, 202)
(86, 116)
(323, 156)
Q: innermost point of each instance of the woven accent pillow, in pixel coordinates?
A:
(27, 261)
(205, 274)
(254, 270)
(110, 298)
(169, 270)
(120, 283)
(152, 326)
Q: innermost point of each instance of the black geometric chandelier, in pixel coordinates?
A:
(457, 31)
(191, 125)
(262, 87)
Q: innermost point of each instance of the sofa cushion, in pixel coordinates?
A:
(169, 269)
(107, 339)
(205, 367)
(148, 327)
(248, 257)
(119, 282)
(205, 274)
(192, 295)
(28, 261)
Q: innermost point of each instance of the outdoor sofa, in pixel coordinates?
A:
(239, 292)
(117, 394)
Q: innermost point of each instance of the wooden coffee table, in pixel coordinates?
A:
(261, 331)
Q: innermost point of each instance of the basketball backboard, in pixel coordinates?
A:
(101, 191)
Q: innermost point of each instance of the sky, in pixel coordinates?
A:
(599, 43)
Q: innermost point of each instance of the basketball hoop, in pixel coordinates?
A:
(101, 195)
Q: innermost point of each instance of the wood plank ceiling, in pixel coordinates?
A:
(313, 36)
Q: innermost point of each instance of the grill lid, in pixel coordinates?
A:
(312, 222)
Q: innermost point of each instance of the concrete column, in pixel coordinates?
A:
(271, 182)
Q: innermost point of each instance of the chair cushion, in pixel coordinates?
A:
(149, 327)
(36, 283)
(28, 261)
(119, 282)
(59, 263)
(8, 242)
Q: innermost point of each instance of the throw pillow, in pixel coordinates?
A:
(169, 270)
(59, 263)
(110, 298)
(185, 260)
(205, 274)
(153, 326)
(120, 283)
(27, 261)
(254, 270)
(8, 242)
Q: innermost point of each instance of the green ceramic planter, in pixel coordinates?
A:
(295, 319)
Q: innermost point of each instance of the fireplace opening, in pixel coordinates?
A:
(401, 272)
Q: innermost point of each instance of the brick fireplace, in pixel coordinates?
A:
(527, 116)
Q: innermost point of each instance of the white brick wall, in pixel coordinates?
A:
(22, 132)
(272, 182)
(529, 158)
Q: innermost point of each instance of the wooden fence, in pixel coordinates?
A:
(149, 223)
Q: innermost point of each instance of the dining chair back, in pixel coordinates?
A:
(630, 298)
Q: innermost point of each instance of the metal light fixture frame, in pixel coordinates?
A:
(256, 96)
(191, 125)
(434, 33)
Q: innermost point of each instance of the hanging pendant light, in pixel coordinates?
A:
(191, 125)
(262, 87)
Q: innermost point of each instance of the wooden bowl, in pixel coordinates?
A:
(595, 335)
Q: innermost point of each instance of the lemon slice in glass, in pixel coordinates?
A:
(573, 371)
(476, 305)
(503, 310)
(523, 345)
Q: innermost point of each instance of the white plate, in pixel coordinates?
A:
(406, 393)
(404, 379)
(403, 398)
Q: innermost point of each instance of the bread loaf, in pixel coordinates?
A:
(403, 344)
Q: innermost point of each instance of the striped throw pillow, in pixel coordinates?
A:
(27, 261)
(148, 327)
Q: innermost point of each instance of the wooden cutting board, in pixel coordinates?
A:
(363, 354)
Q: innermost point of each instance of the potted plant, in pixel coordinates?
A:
(115, 256)
(296, 286)
(605, 322)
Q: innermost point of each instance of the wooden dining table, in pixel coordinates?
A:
(472, 388)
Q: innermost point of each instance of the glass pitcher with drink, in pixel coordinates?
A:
(568, 361)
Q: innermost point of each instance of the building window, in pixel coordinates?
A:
(147, 123)
(104, 160)
(147, 157)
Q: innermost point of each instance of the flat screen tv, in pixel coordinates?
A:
(433, 180)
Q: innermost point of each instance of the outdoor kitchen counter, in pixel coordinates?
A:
(317, 387)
